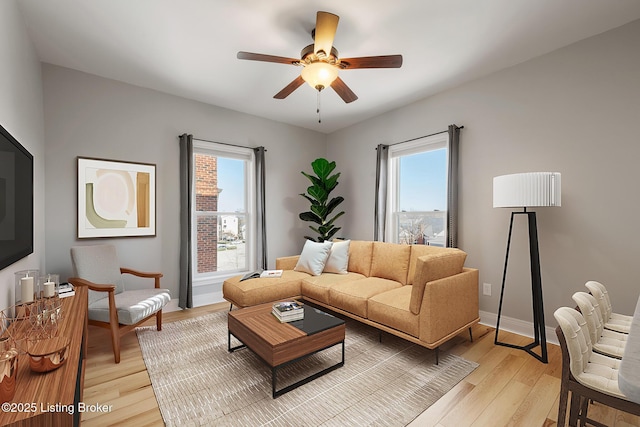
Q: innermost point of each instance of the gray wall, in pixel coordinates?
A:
(86, 115)
(573, 111)
(21, 114)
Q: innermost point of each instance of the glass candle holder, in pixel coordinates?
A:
(49, 285)
(26, 287)
(30, 322)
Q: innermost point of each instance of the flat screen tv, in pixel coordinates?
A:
(16, 200)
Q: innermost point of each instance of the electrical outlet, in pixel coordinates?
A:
(486, 289)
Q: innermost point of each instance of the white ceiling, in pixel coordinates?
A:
(188, 47)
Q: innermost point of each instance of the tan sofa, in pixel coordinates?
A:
(420, 293)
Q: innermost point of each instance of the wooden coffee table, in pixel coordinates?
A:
(279, 344)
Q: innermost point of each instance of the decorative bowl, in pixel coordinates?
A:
(48, 354)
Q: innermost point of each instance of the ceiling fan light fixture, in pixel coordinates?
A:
(321, 61)
(319, 75)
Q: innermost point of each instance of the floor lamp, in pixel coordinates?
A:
(523, 190)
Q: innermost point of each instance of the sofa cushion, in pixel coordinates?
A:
(338, 261)
(391, 308)
(390, 261)
(313, 257)
(353, 296)
(433, 267)
(317, 287)
(420, 250)
(360, 253)
(257, 291)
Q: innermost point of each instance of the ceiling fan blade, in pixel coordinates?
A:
(384, 61)
(343, 90)
(326, 26)
(289, 88)
(267, 58)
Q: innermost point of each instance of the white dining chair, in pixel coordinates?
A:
(613, 321)
(604, 341)
(588, 376)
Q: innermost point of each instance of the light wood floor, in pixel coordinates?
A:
(509, 388)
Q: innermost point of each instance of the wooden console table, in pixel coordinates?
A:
(53, 398)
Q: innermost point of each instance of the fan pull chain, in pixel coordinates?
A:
(318, 108)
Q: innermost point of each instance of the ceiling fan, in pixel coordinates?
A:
(321, 63)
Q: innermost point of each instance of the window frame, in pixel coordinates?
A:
(417, 146)
(231, 152)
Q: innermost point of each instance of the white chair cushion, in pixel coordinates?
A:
(611, 346)
(132, 306)
(618, 326)
(621, 318)
(602, 374)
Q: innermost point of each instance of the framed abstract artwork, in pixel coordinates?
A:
(116, 198)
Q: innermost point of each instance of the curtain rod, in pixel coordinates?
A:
(226, 143)
(420, 137)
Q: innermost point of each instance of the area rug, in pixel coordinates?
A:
(385, 381)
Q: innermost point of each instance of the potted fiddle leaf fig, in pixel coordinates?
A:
(322, 206)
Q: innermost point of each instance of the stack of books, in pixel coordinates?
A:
(66, 290)
(288, 311)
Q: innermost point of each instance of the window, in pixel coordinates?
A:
(224, 235)
(418, 191)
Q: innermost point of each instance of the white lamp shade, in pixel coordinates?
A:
(319, 74)
(527, 190)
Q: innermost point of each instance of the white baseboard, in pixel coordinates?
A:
(207, 293)
(171, 306)
(203, 294)
(516, 326)
(208, 298)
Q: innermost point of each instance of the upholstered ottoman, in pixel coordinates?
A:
(251, 292)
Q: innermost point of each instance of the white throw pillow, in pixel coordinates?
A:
(338, 260)
(313, 257)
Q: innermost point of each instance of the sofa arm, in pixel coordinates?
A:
(436, 266)
(287, 262)
(448, 305)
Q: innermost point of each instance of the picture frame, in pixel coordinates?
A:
(116, 198)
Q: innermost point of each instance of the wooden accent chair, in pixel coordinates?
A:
(613, 321)
(589, 376)
(110, 305)
(604, 341)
